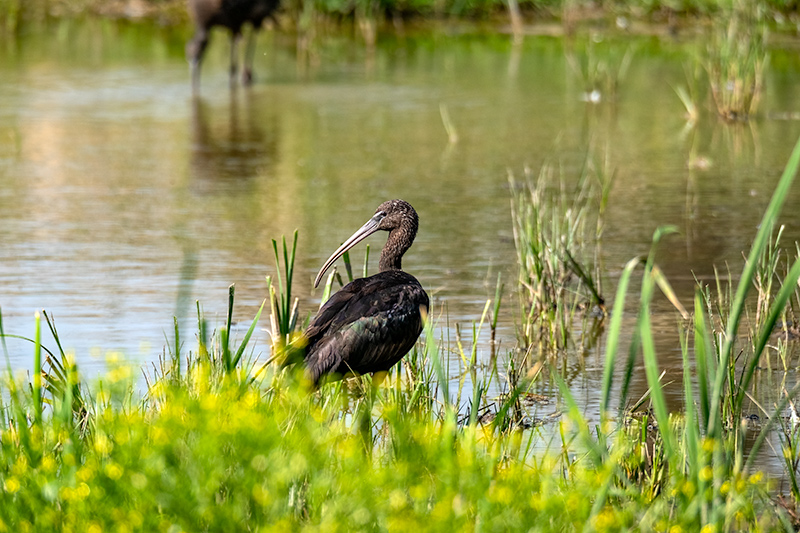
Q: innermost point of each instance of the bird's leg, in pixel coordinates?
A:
(195, 69)
(363, 416)
(249, 54)
(194, 54)
(235, 38)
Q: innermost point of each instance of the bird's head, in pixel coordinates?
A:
(394, 214)
(389, 216)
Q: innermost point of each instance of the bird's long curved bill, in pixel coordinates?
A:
(363, 232)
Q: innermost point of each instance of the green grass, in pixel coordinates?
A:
(736, 59)
(220, 453)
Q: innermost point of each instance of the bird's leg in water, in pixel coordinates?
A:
(235, 38)
(249, 53)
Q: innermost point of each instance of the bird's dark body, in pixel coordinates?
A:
(231, 14)
(367, 326)
(371, 323)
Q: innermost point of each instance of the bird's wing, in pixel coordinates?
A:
(332, 312)
(367, 326)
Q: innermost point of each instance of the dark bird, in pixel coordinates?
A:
(371, 323)
(231, 14)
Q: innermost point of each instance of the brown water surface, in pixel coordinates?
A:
(121, 195)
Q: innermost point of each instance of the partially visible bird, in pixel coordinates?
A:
(371, 323)
(231, 14)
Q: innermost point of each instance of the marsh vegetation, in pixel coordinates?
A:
(214, 435)
(217, 441)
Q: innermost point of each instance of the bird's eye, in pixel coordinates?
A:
(378, 217)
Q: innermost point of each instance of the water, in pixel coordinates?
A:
(119, 191)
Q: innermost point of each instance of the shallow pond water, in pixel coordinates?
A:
(123, 199)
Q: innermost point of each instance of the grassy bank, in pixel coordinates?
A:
(173, 11)
(225, 456)
(219, 451)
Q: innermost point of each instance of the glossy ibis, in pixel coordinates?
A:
(231, 14)
(371, 323)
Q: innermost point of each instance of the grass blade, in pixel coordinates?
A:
(247, 335)
(778, 305)
(648, 347)
(37, 370)
(226, 333)
(702, 350)
(746, 281)
(614, 332)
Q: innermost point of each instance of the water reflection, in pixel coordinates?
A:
(234, 143)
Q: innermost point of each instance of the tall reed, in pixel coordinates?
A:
(553, 224)
(736, 58)
(705, 447)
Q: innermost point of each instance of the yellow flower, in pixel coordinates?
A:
(11, 485)
(113, 471)
(48, 464)
(397, 499)
(102, 444)
(251, 399)
(605, 520)
(261, 495)
(573, 502)
(20, 466)
(158, 435)
(85, 473)
(209, 402)
(536, 502)
(501, 495)
(82, 491)
(135, 518)
(122, 436)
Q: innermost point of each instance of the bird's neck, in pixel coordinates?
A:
(397, 244)
(389, 262)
